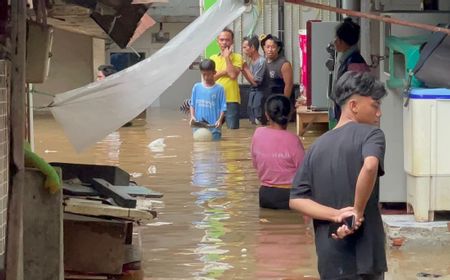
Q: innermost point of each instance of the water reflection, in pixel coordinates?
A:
(207, 169)
(112, 144)
(284, 247)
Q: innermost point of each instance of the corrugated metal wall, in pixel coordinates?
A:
(296, 17)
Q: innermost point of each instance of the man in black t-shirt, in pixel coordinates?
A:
(339, 179)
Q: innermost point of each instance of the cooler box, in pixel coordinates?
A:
(427, 151)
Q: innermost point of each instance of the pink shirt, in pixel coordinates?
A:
(276, 155)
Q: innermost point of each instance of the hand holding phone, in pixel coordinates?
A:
(348, 226)
(350, 221)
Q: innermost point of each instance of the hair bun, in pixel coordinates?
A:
(348, 19)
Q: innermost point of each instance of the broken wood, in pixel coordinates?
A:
(371, 16)
(119, 196)
(139, 191)
(134, 191)
(95, 209)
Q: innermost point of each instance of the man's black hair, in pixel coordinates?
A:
(253, 41)
(207, 65)
(348, 31)
(275, 40)
(107, 69)
(226, 29)
(359, 83)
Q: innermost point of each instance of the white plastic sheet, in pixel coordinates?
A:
(90, 113)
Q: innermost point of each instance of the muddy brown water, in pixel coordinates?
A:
(209, 224)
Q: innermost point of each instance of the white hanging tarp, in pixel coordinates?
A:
(90, 113)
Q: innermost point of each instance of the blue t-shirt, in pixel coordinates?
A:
(208, 102)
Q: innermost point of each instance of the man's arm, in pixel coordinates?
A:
(318, 211)
(286, 71)
(220, 120)
(192, 102)
(232, 70)
(365, 183)
(223, 107)
(220, 74)
(248, 75)
(192, 115)
(373, 151)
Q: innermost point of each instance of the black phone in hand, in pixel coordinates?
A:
(350, 221)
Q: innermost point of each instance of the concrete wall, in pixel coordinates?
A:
(98, 55)
(71, 66)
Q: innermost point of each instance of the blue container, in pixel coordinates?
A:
(429, 93)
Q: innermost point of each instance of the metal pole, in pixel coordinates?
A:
(281, 20)
(372, 16)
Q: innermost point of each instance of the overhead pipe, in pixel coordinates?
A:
(281, 20)
(372, 16)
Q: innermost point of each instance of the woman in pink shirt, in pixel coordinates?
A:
(276, 154)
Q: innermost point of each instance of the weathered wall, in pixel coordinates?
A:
(71, 66)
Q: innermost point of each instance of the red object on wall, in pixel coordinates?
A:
(302, 40)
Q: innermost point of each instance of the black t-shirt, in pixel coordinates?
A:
(328, 176)
(273, 77)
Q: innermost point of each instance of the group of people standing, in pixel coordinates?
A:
(267, 75)
(338, 177)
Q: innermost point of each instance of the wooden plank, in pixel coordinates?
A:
(134, 191)
(83, 218)
(96, 247)
(77, 207)
(85, 277)
(119, 196)
(138, 191)
(18, 41)
(42, 229)
(78, 190)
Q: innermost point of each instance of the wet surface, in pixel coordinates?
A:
(209, 224)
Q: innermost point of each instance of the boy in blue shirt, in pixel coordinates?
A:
(208, 103)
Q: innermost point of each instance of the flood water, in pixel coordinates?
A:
(210, 225)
